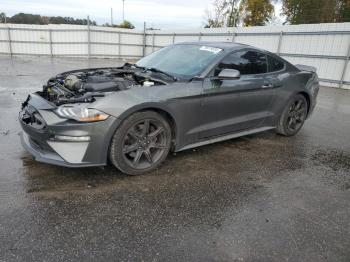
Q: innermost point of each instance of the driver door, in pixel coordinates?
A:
(234, 105)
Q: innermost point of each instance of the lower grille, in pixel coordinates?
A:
(40, 145)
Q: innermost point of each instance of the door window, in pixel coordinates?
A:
(246, 62)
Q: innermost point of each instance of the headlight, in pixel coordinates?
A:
(81, 114)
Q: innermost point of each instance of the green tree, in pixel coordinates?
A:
(316, 11)
(256, 12)
(3, 18)
(69, 20)
(216, 17)
(223, 13)
(343, 14)
(232, 13)
(22, 18)
(125, 24)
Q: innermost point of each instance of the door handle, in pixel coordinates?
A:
(267, 86)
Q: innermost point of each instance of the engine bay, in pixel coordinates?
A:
(81, 86)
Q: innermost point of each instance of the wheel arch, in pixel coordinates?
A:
(308, 100)
(160, 109)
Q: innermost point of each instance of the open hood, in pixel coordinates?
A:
(84, 85)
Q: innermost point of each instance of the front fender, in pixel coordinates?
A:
(147, 106)
(180, 101)
(124, 103)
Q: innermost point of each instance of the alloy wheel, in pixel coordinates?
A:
(296, 114)
(144, 143)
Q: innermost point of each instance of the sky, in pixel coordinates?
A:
(164, 14)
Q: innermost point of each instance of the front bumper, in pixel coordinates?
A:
(41, 141)
(48, 156)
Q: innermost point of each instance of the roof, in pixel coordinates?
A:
(222, 45)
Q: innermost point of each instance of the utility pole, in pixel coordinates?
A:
(89, 37)
(123, 11)
(144, 40)
(111, 16)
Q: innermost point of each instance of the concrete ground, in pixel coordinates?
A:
(259, 198)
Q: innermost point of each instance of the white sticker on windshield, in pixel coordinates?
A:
(214, 50)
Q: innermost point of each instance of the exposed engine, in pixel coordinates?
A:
(85, 85)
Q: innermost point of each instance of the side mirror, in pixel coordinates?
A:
(229, 74)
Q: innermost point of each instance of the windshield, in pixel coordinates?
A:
(184, 61)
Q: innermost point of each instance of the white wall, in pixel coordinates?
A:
(325, 46)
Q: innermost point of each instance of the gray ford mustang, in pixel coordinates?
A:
(182, 96)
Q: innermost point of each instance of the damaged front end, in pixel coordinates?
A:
(60, 127)
(83, 86)
(63, 140)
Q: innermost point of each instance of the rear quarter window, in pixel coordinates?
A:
(274, 64)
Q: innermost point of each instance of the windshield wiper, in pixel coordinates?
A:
(135, 65)
(156, 70)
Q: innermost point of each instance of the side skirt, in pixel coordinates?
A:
(226, 137)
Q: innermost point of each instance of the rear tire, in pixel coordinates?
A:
(293, 116)
(141, 143)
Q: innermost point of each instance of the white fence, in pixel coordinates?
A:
(325, 46)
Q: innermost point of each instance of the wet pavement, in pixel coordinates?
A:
(259, 198)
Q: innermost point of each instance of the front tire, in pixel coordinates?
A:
(141, 143)
(293, 116)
